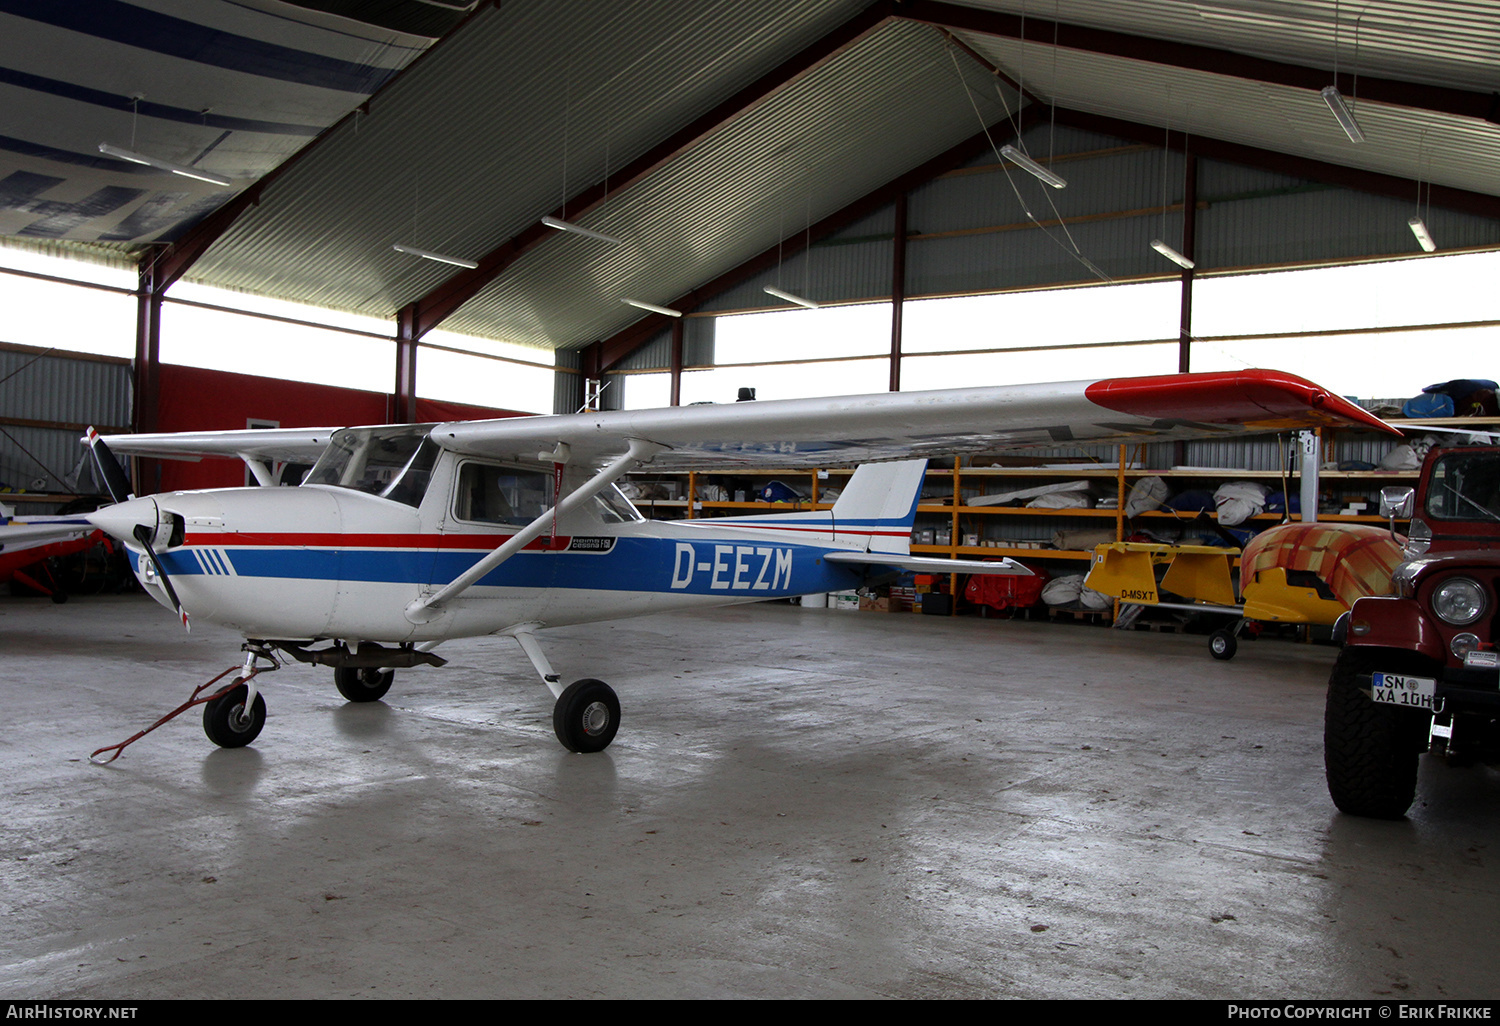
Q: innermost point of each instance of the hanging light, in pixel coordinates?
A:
(1027, 164)
(666, 311)
(427, 254)
(1172, 255)
(1343, 114)
(790, 297)
(1424, 237)
(569, 226)
(163, 165)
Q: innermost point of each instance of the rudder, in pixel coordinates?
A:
(880, 503)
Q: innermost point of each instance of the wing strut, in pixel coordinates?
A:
(429, 608)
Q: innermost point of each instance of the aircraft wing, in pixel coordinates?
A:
(293, 445)
(33, 531)
(847, 430)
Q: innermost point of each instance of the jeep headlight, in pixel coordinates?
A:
(1459, 600)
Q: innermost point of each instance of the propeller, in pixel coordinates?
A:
(145, 533)
(129, 518)
(109, 472)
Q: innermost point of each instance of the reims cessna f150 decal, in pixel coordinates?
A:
(403, 537)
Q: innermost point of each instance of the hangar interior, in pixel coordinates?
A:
(492, 208)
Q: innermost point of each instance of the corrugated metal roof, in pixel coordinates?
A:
(531, 101)
(1439, 42)
(799, 156)
(1458, 152)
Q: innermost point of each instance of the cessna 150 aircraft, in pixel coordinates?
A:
(404, 536)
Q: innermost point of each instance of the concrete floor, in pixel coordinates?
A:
(801, 803)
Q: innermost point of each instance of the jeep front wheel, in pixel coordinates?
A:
(1370, 750)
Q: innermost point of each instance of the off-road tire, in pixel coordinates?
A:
(1370, 750)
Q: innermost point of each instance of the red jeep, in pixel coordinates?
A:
(1419, 670)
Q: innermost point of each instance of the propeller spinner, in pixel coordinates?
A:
(130, 519)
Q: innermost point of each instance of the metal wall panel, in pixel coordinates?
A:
(1255, 217)
(63, 389)
(39, 460)
(1128, 180)
(57, 390)
(564, 385)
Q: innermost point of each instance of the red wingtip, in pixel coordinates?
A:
(1252, 397)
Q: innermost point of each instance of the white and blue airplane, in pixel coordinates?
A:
(402, 537)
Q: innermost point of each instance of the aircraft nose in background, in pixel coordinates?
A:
(121, 519)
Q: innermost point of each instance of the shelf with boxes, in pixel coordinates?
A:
(729, 493)
(961, 511)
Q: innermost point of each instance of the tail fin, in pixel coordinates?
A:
(880, 502)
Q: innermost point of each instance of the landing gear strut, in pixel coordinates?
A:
(234, 717)
(586, 714)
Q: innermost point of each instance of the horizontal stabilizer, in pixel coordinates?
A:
(931, 564)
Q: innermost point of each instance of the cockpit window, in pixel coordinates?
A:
(491, 494)
(496, 494)
(392, 462)
(614, 508)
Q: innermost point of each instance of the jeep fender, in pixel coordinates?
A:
(1399, 623)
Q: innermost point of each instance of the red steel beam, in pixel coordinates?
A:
(1191, 56)
(430, 310)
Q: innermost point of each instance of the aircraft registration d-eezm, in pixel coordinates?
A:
(403, 537)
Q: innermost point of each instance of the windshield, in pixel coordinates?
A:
(1465, 486)
(392, 462)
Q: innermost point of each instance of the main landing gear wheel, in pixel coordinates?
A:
(226, 722)
(586, 716)
(363, 685)
(1222, 644)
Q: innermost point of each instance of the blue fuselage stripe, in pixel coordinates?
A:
(752, 568)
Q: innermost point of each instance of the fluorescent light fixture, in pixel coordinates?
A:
(427, 254)
(664, 310)
(790, 298)
(1341, 111)
(163, 165)
(1027, 164)
(1419, 229)
(1171, 254)
(569, 226)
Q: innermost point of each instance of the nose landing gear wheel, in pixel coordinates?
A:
(226, 722)
(363, 685)
(586, 716)
(1222, 644)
